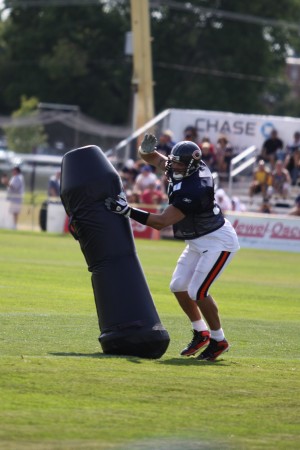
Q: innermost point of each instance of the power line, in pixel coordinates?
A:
(219, 73)
(222, 14)
(44, 3)
(187, 7)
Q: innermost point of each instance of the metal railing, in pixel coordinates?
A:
(240, 163)
(127, 148)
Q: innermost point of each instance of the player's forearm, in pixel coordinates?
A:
(158, 221)
(154, 159)
(150, 219)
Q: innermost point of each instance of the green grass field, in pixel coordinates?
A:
(59, 391)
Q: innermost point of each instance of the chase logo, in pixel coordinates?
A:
(266, 129)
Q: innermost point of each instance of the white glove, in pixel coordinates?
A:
(148, 144)
(118, 205)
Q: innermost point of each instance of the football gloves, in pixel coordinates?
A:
(148, 144)
(118, 205)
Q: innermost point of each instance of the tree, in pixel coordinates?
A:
(25, 139)
(71, 55)
(205, 60)
(223, 55)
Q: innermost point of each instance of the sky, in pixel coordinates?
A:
(5, 14)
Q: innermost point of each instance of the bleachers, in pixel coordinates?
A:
(240, 188)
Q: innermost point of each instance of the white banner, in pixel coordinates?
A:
(6, 218)
(242, 130)
(56, 217)
(267, 231)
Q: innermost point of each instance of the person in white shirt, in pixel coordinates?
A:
(15, 193)
(145, 179)
(223, 200)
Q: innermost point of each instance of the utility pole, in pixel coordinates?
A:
(142, 81)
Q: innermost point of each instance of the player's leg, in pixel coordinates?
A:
(179, 284)
(188, 306)
(209, 268)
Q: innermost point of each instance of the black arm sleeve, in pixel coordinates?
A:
(138, 215)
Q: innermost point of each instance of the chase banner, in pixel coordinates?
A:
(242, 130)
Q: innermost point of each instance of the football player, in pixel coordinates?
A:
(210, 239)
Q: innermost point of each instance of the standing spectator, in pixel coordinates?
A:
(292, 161)
(224, 154)
(15, 193)
(145, 179)
(165, 143)
(262, 181)
(295, 145)
(54, 185)
(281, 180)
(271, 147)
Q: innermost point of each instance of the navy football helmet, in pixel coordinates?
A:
(187, 153)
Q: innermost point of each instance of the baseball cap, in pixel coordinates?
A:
(146, 168)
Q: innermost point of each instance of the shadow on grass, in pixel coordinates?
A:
(135, 359)
(194, 362)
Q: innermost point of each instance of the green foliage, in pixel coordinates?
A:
(59, 391)
(25, 139)
(203, 61)
(66, 58)
(70, 55)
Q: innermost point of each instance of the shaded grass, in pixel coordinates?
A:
(59, 391)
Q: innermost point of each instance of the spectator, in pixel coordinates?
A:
(295, 211)
(145, 178)
(128, 174)
(281, 180)
(292, 161)
(152, 195)
(206, 140)
(295, 145)
(223, 200)
(208, 156)
(165, 143)
(224, 154)
(237, 205)
(191, 134)
(271, 147)
(265, 206)
(262, 181)
(4, 179)
(133, 196)
(54, 185)
(15, 193)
